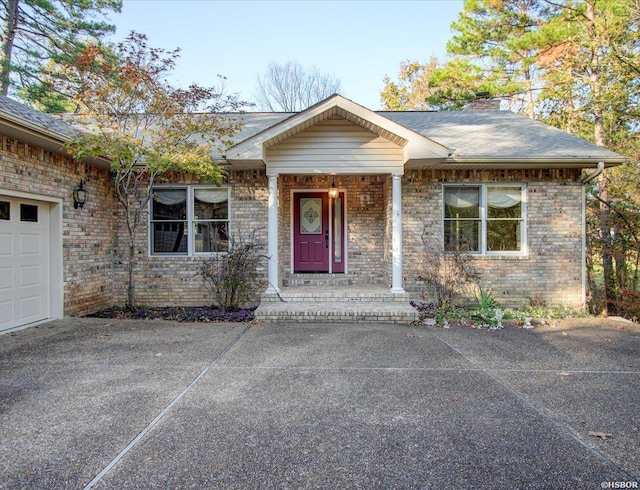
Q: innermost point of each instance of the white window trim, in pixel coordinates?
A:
(482, 239)
(190, 221)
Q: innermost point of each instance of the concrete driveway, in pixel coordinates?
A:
(89, 403)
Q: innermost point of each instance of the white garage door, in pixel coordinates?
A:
(24, 261)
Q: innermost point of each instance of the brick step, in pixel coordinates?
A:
(317, 280)
(340, 312)
(335, 294)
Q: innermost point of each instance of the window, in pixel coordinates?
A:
(5, 210)
(29, 212)
(484, 218)
(189, 220)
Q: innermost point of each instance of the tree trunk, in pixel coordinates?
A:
(610, 296)
(8, 35)
(591, 290)
(530, 102)
(131, 291)
(599, 136)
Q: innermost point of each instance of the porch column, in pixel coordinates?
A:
(272, 224)
(396, 234)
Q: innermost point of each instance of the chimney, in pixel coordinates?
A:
(483, 102)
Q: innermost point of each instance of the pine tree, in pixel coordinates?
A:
(35, 32)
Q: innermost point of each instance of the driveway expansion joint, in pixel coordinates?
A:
(136, 440)
(540, 412)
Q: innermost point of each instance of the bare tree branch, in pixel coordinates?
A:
(291, 88)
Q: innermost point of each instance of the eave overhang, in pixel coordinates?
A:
(506, 163)
(33, 134)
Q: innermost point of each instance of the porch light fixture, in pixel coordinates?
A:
(333, 192)
(79, 196)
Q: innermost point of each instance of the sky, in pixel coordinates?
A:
(358, 42)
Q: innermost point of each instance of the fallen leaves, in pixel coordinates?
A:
(601, 435)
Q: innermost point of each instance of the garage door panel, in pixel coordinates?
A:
(31, 308)
(24, 263)
(6, 244)
(29, 244)
(30, 276)
(6, 314)
(6, 278)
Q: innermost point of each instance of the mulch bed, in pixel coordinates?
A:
(180, 314)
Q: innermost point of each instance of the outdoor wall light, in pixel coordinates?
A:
(333, 192)
(79, 196)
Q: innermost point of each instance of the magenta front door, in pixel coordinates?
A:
(318, 232)
(311, 232)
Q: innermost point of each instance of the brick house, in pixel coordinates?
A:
(346, 199)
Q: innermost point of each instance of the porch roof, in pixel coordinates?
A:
(252, 149)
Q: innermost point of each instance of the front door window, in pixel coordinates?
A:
(310, 215)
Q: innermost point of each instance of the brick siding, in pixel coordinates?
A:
(94, 239)
(88, 234)
(552, 268)
(175, 281)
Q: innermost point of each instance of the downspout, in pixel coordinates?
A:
(585, 180)
(589, 177)
(584, 248)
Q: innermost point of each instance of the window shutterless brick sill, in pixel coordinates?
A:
(500, 257)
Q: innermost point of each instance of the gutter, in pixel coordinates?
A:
(46, 134)
(556, 160)
(589, 177)
(36, 129)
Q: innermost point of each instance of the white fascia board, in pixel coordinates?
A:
(417, 147)
(424, 149)
(33, 128)
(336, 169)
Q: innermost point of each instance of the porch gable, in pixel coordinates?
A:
(254, 151)
(336, 146)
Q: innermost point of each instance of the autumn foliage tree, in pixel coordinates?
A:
(132, 116)
(574, 64)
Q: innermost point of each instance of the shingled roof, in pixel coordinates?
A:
(497, 136)
(488, 136)
(26, 116)
(500, 135)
